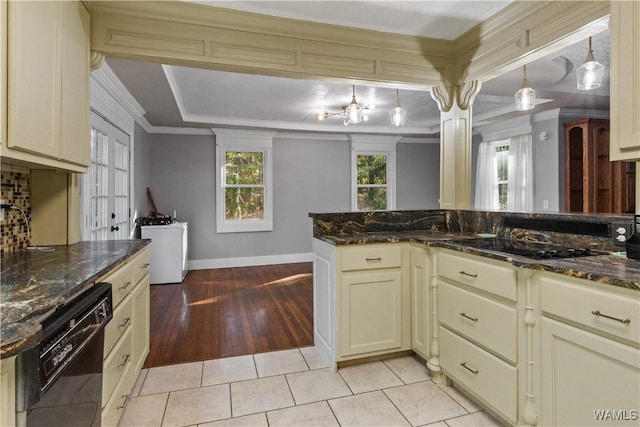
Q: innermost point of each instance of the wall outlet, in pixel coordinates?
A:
(621, 232)
(545, 204)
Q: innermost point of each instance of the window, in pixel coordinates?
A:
(504, 175)
(373, 175)
(244, 193)
(502, 159)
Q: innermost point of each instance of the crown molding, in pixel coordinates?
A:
(109, 81)
(168, 130)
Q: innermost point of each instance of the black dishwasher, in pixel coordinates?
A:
(60, 380)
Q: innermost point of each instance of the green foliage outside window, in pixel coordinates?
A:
(372, 182)
(502, 157)
(244, 185)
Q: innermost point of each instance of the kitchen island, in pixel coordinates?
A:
(508, 329)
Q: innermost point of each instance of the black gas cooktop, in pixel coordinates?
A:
(536, 250)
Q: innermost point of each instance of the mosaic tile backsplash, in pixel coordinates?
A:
(15, 185)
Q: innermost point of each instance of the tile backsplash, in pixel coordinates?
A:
(15, 183)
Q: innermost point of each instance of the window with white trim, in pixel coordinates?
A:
(373, 173)
(244, 192)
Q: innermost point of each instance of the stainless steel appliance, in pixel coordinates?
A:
(59, 382)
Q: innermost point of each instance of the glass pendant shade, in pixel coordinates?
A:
(590, 73)
(397, 114)
(353, 112)
(525, 97)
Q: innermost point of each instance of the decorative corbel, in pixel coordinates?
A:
(466, 93)
(444, 97)
(96, 59)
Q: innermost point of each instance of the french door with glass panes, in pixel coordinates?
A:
(106, 185)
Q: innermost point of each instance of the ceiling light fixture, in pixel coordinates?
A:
(525, 97)
(397, 114)
(590, 73)
(353, 113)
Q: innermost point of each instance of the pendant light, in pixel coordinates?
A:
(353, 111)
(397, 114)
(525, 97)
(590, 73)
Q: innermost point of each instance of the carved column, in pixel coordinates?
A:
(434, 360)
(455, 143)
(529, 415)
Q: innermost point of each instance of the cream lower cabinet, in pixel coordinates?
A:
(361, 300)
(590, 363)
(8, 391)
(420, 300)
(478, 332)
(126, 335)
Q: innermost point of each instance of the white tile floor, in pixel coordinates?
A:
(294, 388)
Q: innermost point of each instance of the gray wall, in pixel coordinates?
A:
(141, 205)
(548, 167)
(308, 176)
(417, 176)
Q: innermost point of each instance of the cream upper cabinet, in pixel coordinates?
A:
(625, 80)
(48, 84)
(590, 363)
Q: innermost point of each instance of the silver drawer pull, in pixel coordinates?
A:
(124, 322)
(373, 259)
(464, 365)
(473, 319)
(597, 313)
(124, 286)
(125, 360)
(145, 265)
(125, 399)
(468, 274)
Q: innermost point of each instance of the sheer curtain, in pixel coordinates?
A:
(520, 187)
(486, 196)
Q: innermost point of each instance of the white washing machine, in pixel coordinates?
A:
(168, 252)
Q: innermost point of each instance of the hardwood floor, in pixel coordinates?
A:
(231, 312)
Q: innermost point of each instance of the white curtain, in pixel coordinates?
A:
(520, 186)
(486, 196)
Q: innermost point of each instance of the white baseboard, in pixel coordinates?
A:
(206, 264)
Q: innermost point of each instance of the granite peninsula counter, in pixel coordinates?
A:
(448, 229)
(34, 283)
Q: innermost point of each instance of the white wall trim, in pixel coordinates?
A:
(580, 112)
(506, 129)
(205, 264)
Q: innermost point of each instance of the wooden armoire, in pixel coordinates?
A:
(593, 183)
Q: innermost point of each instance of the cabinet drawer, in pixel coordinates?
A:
(481, 273)
(141, 264)
(480, 372)
(490, 323)
(580, 303)
(367, 257)
(117, 326)
(114, 408)
(121, 283)
(117, 363)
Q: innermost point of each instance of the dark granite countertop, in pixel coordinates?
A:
(608, 269)
(34, 283)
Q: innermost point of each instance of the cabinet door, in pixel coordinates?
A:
(420, 301)
(587, 379)
(140, 323)
(625, 80)
(32, 77)
(74, 96)
(370, 312)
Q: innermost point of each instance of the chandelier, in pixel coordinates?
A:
(353, 113)
(398, 114)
